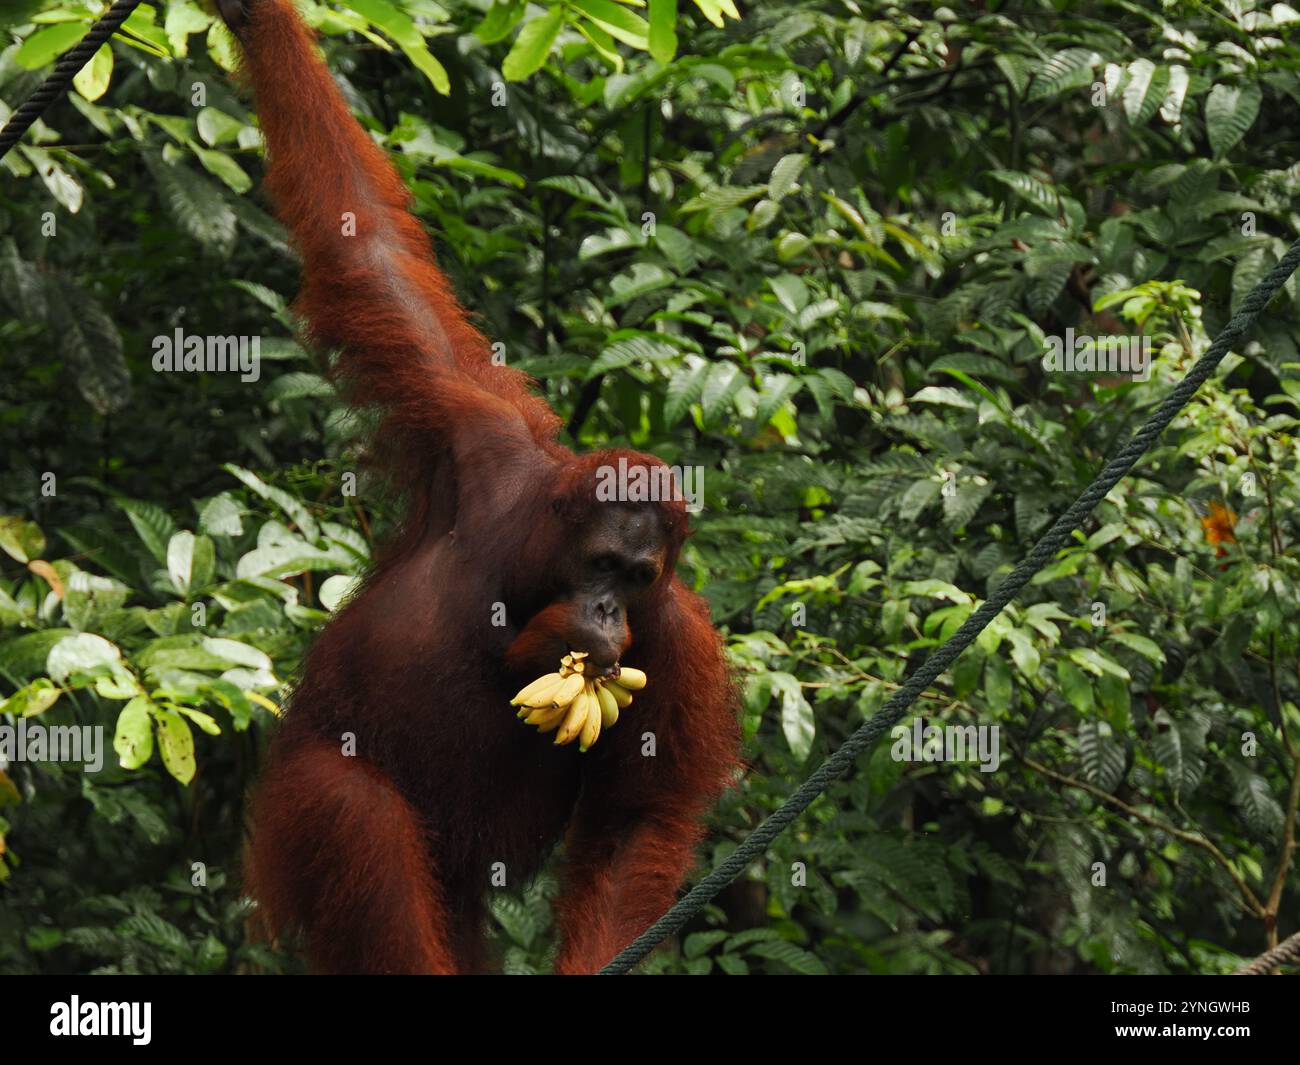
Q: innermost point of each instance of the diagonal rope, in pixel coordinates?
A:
(64, 71)
(1286, 952)
(755, 844)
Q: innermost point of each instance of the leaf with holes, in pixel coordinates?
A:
(133, 738)
(176, 742)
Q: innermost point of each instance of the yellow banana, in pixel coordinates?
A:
(579, 707)
(608, 706)
(539, 692)
(631, 679)
(546, 718)
(568, 690)
(591, 728)
(621, 695)
(573, 720)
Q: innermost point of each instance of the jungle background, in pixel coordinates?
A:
(812, 246)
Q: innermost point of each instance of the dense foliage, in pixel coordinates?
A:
(818, 250)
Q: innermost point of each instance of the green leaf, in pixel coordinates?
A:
(1097, 663)
(642, 278)
(784, 176)
(1103, 758)
(34, 699)
(997, 684)
(1141, 644)
(83, 653)
(1030, 189)
(26, 655)
(90, 342)
(194, 203)
(1075, 686)
(293, 509)
(714, 9)
(133, 739)
(87, 598)
(334, 590)
(180, 560)
(684, 390)
(398, 25)
(582, 188)
(92, 79)
(791, 292)
(183, 18)
(21, 540)
(56, 178)
(778, 388)
(152, 524)
(796, 958)
(221, 516)
(1070, 68)
(630, 350)
(44, 46)
(533, 45)
(663, 30)
(223, 166)
(797, 721)
(1230, 111)
(216, 127)
(724, 380)
(176, 742)
(503, 17)
(616, 20)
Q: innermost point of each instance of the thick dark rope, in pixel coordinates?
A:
(69, 64)
(1286, 951)
(755, 844)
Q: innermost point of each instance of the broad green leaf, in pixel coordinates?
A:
(183, 18)
(21, 540)
(176, 742)
(152, 524)
(1230, 111)
(663, 29)
(533, 45)
(44, 46)
(196, 205)
(216, 127)
(133, 738)
(1103, 758)
(784, 175)
(82, 653)
(335, 590)
(92, 79)
(65, 188)
(223, 166)
(797, 721)
(616, 20)
(398, 25)
(502, 17)
(32, 700)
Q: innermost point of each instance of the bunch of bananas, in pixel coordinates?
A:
(574, 705)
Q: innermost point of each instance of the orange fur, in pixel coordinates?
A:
(400, 780)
